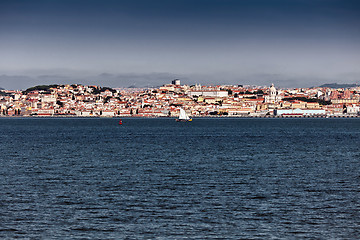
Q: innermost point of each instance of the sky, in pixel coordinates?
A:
(116, 43)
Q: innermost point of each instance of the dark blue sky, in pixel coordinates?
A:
(139, 42)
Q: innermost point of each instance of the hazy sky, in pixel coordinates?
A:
(141, 42)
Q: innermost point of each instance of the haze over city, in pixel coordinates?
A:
(297, 43)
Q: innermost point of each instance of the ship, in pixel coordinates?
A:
(183, 117)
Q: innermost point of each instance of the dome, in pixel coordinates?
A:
(272, 90)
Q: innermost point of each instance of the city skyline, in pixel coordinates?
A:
(141, 43)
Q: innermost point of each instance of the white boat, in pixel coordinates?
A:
(183, 117)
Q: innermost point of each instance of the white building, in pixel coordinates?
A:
(48, 98)
(273, 97)
(298, 111)
(353, 109)
(209, 93)
(176, 82)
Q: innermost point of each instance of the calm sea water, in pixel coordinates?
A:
(159, 179)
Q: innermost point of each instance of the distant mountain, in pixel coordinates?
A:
(2, 88)
(339, 85)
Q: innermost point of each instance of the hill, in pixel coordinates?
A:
(339, 85)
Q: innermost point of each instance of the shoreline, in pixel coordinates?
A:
(196, 117)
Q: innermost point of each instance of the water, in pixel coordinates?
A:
(158, 179)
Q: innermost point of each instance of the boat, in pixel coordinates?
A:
(183, 117)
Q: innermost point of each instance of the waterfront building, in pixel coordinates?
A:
(299, 112)
(353, 109)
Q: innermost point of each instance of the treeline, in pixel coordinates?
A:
(2, 93)
(46, 88)
(304, 99)
(257, 92)
(99, 90)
